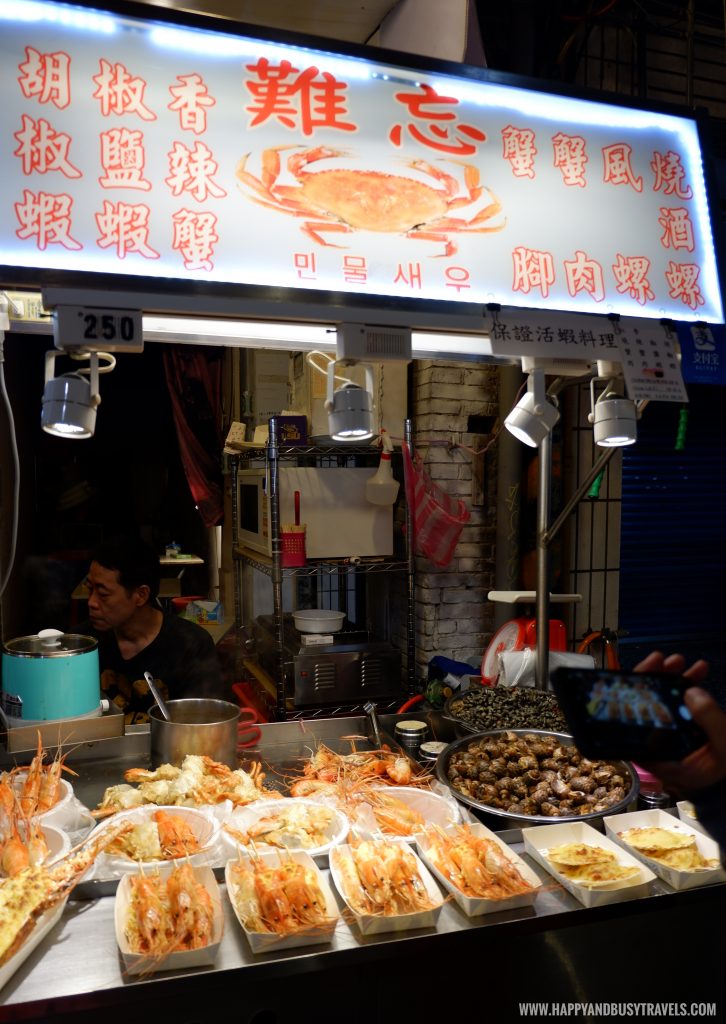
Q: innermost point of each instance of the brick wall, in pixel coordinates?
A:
(453, 616)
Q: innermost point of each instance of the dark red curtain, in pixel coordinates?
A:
(194, 379)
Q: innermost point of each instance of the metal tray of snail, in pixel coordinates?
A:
(532, 776)
(482, 708)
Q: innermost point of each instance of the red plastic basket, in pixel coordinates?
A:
(293, 548)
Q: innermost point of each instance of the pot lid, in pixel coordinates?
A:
(50, 643)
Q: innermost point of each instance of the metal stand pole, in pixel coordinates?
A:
(543, 583)
(274, 497)
(410, 588)
(234, 464)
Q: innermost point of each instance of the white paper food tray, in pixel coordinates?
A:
(374, 924)
(474, 906)
(434, 809)
(204, 826)
(539, 839)
(244, 818)
(138, 963)
(662, 819)
(264, 942)
(42, 926)
(687, 813)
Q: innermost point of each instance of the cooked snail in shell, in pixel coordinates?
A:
(535, 775)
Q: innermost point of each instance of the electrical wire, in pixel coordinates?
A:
(5, 325)
(311, 362)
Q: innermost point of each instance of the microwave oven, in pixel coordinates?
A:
(339, 520)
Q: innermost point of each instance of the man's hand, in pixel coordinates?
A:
(706, 765)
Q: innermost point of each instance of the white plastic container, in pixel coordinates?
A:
(59, 845)
(318, 620)
(138, 963)
(474, 906)
(434, 809)
(244, 818)
(265, 942)
(540, 839)
(204, 826)
(662, 819)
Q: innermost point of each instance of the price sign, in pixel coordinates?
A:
(650, 364)
(98, 329)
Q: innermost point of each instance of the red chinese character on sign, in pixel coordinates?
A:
(457, 277)
(427, 106)
(123, 159)
(289, 95)
(519, 149)
(355, 269)
(570, 157)
(47, 76)
(304, 263)
(191, 171)
(42, 149)
(669, 175)
(195, 235)
(190, 99)
(631, 274)
(682, 281)
(127, 228)
(677, 229)
(585, 275)
(410, 275)
(47, 218)
(119, 93)
(617, 169)
(532, 269)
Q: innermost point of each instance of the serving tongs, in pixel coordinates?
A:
(370, 710)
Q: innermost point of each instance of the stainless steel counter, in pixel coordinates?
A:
(77, 971)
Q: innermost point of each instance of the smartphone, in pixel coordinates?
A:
(629, 716)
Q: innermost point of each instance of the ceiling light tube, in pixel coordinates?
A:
(304, 337)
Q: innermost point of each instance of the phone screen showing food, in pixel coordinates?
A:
(636, 716)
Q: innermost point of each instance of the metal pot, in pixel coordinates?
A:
(503, 819)
(197, 726)
(49, 676)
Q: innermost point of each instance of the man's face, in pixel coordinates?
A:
(109, 604)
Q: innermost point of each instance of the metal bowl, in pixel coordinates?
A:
(507, 819)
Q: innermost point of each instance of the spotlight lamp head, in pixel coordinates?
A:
(614, 417)
(350, 408)
(70, 400)
(534, 415)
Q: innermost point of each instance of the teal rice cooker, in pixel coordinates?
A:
(50, 676)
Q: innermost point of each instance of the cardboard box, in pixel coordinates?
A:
(204, 611)
(292, 430)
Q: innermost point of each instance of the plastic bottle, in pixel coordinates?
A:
(382, 489)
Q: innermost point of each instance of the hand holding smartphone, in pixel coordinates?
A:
(631, 716)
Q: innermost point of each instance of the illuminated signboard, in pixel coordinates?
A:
(167, 151)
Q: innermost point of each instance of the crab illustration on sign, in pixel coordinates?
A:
(342, 200)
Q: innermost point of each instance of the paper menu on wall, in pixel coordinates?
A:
(650, 363)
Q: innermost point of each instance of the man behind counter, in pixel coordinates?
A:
(135, 636)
